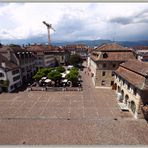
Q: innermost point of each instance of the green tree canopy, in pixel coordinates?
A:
(75, 60)
(54, 75)
(38, 76)
(60, 69)
(45, 71)
(73, 75)
(42, 73)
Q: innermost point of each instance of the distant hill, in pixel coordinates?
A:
(90, 43)
(93, 43)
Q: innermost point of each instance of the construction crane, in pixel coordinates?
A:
(49, 26)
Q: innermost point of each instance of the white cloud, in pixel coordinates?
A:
(70, 20)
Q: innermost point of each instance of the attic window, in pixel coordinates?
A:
(105, 55)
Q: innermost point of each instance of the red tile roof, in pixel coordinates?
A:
(12, 48)
(136, 66)
(134, 72)
(44, 48)
(131, 77)
(112, 47)
(113, 56)
(9, 65)
(114, 52)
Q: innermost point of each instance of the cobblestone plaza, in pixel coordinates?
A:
(91, 116)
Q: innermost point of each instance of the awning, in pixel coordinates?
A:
(67, 72)
(47, 81)
(65, 80)
(63, 75)
(43, 78)
(70, 66)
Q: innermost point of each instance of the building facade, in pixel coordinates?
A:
(80, 49)
(104, 60)
(131, 84)
(141, 53)
(21, 57)
(10, 75)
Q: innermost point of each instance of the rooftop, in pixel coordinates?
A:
(134, 72)
(111, 47)
(136, 66)
(44, 48)
(112, 52)
(12, 48)
(8, 64)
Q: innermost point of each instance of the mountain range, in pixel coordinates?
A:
(90, 43)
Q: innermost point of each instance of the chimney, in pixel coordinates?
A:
(3, 64)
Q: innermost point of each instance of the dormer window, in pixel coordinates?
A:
(105, 55)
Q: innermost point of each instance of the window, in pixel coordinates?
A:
(1, 75)
(105, 55)
(16, 78)
(112, 82)
(114, 65)
(113, 74)
(23, 69)
(104, 65)
(128, 86)
(11, 87)
(103, 73)
(123, 82)
(135, 91)
(15, 72)
(103, 83)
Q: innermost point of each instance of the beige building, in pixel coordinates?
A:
(47, 56)
(131, 84)
(80, 49)
(104, 60)
(43, 57)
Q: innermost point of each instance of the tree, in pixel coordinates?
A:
(54, 75)
(38, 75)
(4, 84)
(73, 75)
(42, 73)
(45, 71)
(75, 60)
(60, 69)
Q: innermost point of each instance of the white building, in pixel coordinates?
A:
(10, 75)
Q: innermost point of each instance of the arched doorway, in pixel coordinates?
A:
(133, 106)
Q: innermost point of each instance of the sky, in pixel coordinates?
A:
(74, 21)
